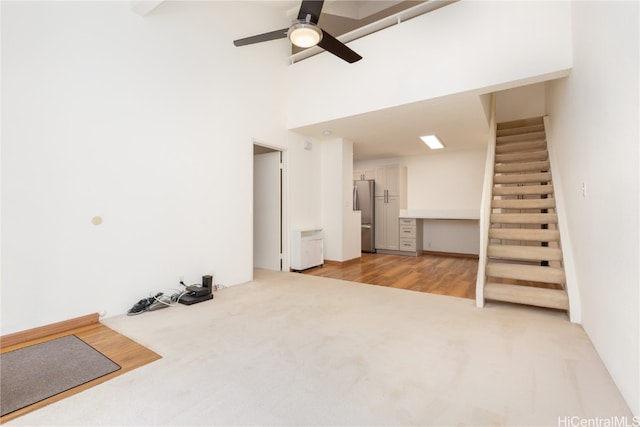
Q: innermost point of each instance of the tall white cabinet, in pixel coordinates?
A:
(361, 175)
(391, 196)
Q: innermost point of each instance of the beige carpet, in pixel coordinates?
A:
(292, 349)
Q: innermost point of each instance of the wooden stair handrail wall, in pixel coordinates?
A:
(485, 204)
(575, 310)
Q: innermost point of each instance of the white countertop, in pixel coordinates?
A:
(440, 213)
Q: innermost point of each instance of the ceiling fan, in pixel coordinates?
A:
(305, 33)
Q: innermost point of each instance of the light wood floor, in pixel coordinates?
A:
(434, 273)
(120, 349)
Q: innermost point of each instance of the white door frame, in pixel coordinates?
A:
(284, 242)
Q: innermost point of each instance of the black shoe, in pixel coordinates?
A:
(158, 302)
(140, 306)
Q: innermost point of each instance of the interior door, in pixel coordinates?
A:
(267, 211)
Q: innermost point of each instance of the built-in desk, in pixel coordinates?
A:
(413, 221)
(440, 213)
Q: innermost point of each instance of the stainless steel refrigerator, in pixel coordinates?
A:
(364, 201)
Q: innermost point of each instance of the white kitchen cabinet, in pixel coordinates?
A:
(391, 180)
(411, 236)
(387, 230)
(307, 249)
(391, 196)
(363, 174)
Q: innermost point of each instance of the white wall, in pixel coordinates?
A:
(147, 122)
(305, 182)
(352, 233)
(521, 103)
(466, 46)
(594, 123)
(453, 236)
(443, 181)
(341, 223)
(332, 212)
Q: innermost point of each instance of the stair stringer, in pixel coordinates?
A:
(571, 285)
(485, 205)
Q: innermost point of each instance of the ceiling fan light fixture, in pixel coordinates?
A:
(305, 34)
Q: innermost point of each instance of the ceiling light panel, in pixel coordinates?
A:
(432, 142)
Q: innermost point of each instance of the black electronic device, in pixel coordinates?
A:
(207, 281)
(198, 293)
(190, 299)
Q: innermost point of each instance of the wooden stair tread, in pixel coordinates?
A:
(548, 203)
(540, 297)
(520, 123)
(523, 234)
(518, 130)
(521, 178)
(528, 136)
(537, 166)
(522, 157)
(524, 218)
(525, 253)
(521, 190)
(533, 273)
(517, 147)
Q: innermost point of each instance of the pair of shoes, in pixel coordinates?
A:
(159, 301)
(142, 305)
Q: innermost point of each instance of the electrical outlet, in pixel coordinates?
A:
(103, 313)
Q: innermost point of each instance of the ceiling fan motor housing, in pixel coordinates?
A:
(304, 34)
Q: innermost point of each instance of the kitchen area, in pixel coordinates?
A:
(408, 241)
(387, 227)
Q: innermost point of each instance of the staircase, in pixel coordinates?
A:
(524, 257)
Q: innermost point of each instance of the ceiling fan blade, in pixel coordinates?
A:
(310, 7)
(335, 46)
(273, 35)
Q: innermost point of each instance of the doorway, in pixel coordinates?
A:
(268, 208)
